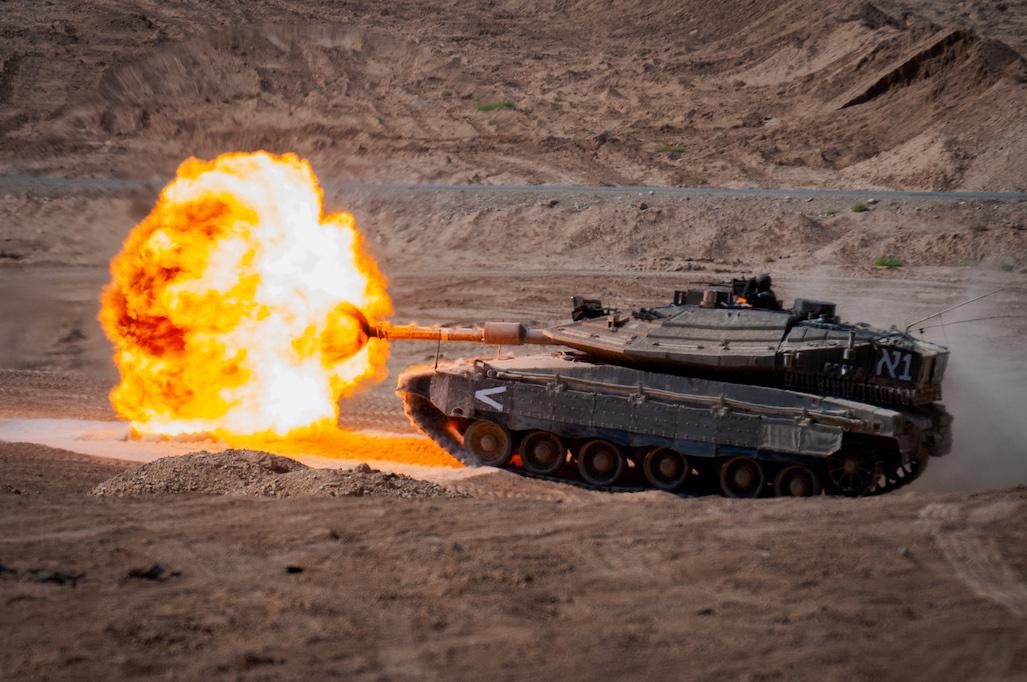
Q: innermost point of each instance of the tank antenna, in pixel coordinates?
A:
(950, 309)
(975, 319)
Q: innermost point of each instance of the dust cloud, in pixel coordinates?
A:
(985, 387)
(985, 391)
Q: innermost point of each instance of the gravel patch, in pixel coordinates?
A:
(252, 473)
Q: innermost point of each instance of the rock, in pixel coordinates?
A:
(155, 572)
(643, 206)
(293, 569)
(905, 552)
(325, 534)
(56, 577)
(252, 659)
(362, 468)
(871, 201)
(705, 612)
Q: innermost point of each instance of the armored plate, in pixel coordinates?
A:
(689, 337)
(816, 355)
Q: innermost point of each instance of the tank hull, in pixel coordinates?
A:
(590, 410)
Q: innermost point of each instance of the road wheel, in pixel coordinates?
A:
(741, 477)
(489, 442)
(851, 473)
(796, 481)
(665, 469)
(600, 462)
(543, 453)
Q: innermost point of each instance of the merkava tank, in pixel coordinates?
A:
(704, 393)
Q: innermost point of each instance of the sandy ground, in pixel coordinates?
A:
(518, 578)
(912, 585)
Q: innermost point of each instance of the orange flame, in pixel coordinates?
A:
(232, 304)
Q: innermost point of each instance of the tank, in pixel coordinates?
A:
(703, 393)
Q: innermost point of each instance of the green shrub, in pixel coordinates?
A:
(492, 106)
(769, 259)
(859, 207)
(672, 148)
(888, 262)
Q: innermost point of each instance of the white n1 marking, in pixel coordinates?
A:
(891, 359)
(483, 396)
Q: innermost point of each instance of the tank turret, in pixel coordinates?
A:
(707, 332)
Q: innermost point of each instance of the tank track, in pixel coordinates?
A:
(434, 424)
(889, 484)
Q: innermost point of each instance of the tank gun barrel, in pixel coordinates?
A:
(491, 333)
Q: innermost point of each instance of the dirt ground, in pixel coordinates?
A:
(270, 570)
(913, 585)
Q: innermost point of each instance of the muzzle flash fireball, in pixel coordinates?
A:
(237, 306)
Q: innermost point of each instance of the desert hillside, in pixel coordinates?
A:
(900, 93)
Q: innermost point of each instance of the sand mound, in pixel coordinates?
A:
(251, 473)
(360, 482)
